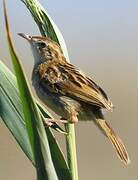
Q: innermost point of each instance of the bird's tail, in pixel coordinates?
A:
(115, 140)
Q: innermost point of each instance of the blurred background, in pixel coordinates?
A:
(102, 39)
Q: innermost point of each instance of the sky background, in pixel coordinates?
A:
(102, 40)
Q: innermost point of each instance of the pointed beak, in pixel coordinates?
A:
(27, 37)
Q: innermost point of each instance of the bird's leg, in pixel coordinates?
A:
(73, 117)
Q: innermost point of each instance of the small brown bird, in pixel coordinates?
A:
(69, 92)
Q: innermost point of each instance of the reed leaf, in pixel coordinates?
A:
(34, 125)
(12, 115)
(48, 28)
(46, 24)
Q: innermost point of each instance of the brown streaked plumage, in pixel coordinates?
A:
(68, 91)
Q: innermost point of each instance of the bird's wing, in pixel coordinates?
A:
(69, 81)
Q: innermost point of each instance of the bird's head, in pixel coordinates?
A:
(44, 49)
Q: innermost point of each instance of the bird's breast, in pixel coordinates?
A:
(48, 98)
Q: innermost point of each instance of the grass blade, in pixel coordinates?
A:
(48, 28)
(12, 115)
(35, 129)
(11, 110)
(45, 23)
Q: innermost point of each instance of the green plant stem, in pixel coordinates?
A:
(71, 150)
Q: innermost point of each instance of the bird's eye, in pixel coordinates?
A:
(41, 44)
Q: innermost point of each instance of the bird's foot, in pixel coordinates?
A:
(50, 122)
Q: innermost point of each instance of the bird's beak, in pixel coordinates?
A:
(27, 37)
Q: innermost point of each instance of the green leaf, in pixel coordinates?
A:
(11, 110)
(48, 28)
(34, 125)
(12, 115)
(45, 23)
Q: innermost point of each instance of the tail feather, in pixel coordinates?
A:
(115, 140)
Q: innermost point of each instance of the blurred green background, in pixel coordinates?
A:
(102, 39)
